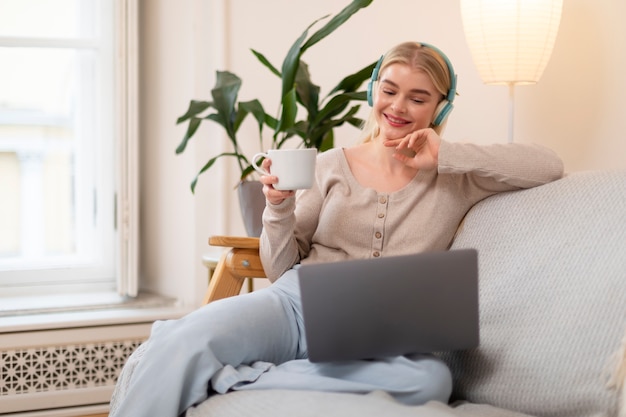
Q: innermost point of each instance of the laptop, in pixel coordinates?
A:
(390, 306)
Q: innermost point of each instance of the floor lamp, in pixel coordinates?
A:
(511, 41)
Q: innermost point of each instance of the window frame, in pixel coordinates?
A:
(123, 244)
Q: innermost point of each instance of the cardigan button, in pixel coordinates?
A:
(376, 254)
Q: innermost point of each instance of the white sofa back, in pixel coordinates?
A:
(552, 266)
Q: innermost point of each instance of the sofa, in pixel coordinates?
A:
(552, 285)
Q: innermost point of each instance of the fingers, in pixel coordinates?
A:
(273, 195)
(413, 140)
(418, 139)
(266, 164)
(393, 143)
(418, 149)
(409, 145)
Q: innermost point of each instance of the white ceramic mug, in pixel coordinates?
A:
(295, 168)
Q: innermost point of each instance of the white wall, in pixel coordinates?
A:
(178, 41)
(574, 109)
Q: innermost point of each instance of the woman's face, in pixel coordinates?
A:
(406, 100)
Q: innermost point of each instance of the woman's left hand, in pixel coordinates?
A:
(423, 143)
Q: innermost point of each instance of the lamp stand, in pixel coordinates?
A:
(511, 110)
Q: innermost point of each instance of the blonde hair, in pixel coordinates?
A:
(417, 56)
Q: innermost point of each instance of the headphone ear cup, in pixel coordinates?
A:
(373, 79)
(441, 112)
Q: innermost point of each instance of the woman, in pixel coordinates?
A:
(403, 190)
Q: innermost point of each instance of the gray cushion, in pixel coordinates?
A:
(553, 296)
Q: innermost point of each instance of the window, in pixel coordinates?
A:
(67, 146)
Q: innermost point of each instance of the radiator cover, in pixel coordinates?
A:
(64, 368)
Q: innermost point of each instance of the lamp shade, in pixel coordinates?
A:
(511, 40)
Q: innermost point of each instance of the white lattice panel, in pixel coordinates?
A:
(67, 367)
(73, 367)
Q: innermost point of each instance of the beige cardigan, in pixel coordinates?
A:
(338, 219)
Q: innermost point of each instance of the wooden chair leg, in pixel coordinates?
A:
(233, 268)
(223, 283)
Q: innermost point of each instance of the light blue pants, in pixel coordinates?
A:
(256, 341)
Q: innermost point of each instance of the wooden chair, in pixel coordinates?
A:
(235, 265)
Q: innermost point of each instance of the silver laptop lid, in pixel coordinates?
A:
(380, 307)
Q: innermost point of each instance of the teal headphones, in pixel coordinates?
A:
(444, 108)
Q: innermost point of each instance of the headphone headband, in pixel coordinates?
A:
(445, 106)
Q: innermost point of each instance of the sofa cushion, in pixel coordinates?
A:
(290, 403)
(552, 263)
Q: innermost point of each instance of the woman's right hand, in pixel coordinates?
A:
(272, 195)
(424, 143)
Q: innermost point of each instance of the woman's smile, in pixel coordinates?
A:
(396, 121)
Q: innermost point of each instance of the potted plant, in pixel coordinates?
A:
(315, 129)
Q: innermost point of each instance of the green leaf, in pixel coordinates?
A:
(195, 107)
(353, 81)
(255, 108)
(217, 118)
(289, 112)
(338, 20)
(224, 95)
(265, 62)
(355, 121)
(301, 128)
(271, 122)
(287, 135)
(318, 133)
(328, 141)
(206, 166)
(307, 92)
(359, 96)
(249, 169)
(210, 163)
(292, 60)
(335, 106)
(194, 123)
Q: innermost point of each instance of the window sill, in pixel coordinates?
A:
(84, 310)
